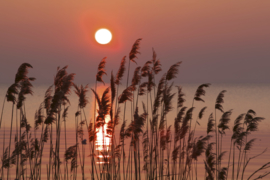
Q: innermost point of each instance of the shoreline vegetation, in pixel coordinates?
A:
(147, 147)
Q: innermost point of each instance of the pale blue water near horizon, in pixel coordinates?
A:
(239, 97)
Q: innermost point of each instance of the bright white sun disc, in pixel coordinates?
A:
(103, 36)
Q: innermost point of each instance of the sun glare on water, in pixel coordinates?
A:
(103, 138)
(103, 142)
(103, 36)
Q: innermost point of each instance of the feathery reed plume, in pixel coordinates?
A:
(237, 129)
(45, 136)
(142, 87)
(156, 63)
(200, 146)
(220, 100)
(71, 153)
(252, 122)
(126, 95)
(167, 98)
(145, 151)
(134, 50)
(103, 105)
(65, 113)
(122, 132)
(136, 126)
(11, 92)
(210, 124)
(168, 134)
(22, 72)
(101, 70)
(59, 75)
(210, 161)
(210, 175)
(81, 93)
(91, 133)
(5, 159)
(177, 122)
(176, 129)
(26, 88)
(113, 90)
(136, 78)
(252, 126)
(154, 55)
(185, 127)
(150, 83)
(162, 132)
(121, 71)
(180, 100)
(116, 118)
(146, 68)
(201, 113)
(175, 153)
(220, 157)
(50, 119)
(222, 174)
(160, 90)
(200, 92)
(249, 144)
(48, 99)
(39, 117)
(180, 114)
(223, 122)
(171, 73)
(67, 83)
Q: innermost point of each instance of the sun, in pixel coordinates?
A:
(103, 36)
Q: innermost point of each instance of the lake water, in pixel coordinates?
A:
(239, 97)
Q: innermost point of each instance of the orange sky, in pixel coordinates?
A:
(218, 41)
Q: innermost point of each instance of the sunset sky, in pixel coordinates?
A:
(218, 41)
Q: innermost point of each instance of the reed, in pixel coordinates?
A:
(148, 147)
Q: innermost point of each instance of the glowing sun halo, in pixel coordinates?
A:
(103, 36)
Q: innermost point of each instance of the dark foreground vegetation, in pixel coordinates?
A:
(147, 147)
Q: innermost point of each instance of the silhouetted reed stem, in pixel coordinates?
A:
(50, 159)
(217, 145)
(2, 112)
(41, 150)
(4, 140)
(11, 123)
(124, 116)
(229, 160)
(66, 163)
(17, 154)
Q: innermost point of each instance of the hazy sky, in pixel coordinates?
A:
(223, 41)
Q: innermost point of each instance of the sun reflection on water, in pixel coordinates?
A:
(103, 142)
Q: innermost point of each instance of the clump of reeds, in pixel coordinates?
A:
(148, 147)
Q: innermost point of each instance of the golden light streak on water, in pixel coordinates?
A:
(103, 140)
